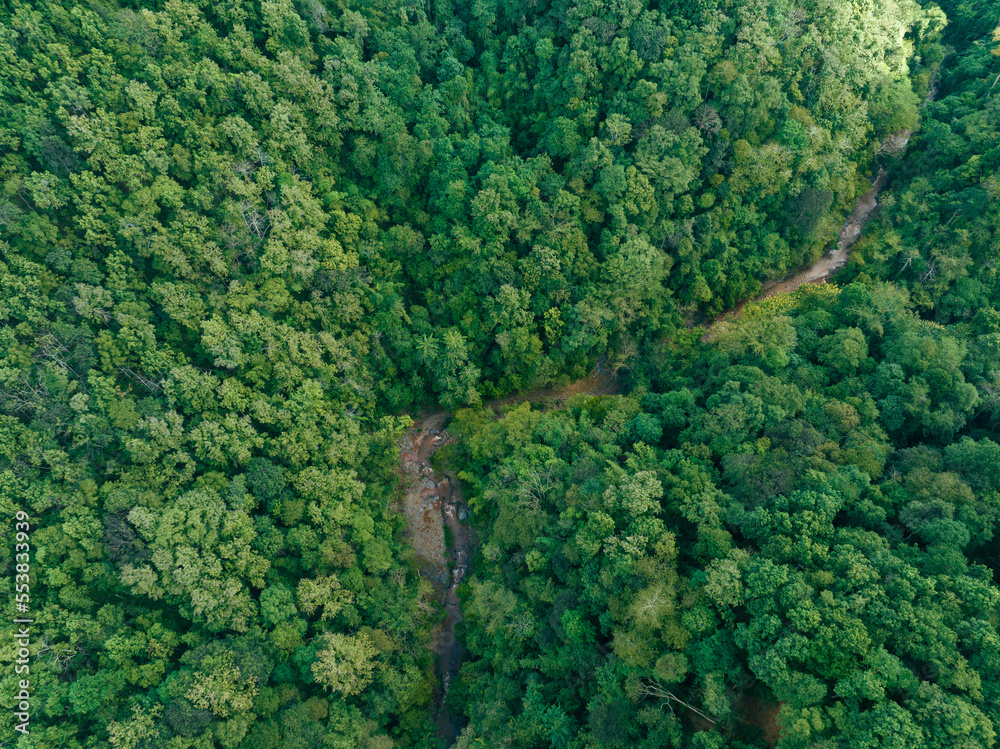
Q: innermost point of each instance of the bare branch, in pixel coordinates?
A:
(652, 689)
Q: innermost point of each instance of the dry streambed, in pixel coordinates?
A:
(434, 510)
(836, 258)
(432, 501)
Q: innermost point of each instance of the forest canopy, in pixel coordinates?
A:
(243, 244)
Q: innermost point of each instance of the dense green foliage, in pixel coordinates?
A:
(938, 235)
(786, 520)
(486, 198)
(240, 240)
